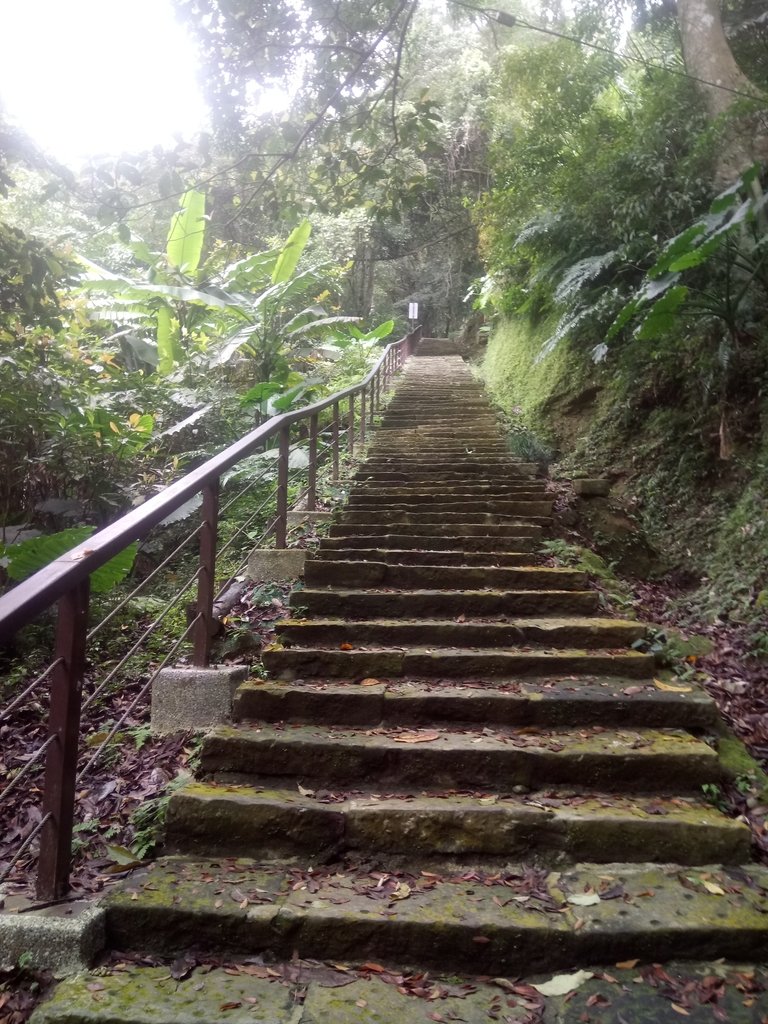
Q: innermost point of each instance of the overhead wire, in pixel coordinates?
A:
(513, 21)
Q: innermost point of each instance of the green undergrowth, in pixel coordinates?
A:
(614, 592)
(649, 418)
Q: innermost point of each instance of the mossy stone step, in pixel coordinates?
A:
(465, 510)
(365, 603)
(575, 631)
(451, 662)
(415, 576)
(428, 542)
(543, 702)
(524, 512)
(406, 556)
(362, 493)
(500, 532)
(300, 992)
(502, 924)
(398, 472)
(210, 819)
(592, 757)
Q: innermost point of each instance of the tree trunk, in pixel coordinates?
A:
(708, 56)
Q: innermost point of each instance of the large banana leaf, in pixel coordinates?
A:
(291, 253)
(187, 234)
(169, 350)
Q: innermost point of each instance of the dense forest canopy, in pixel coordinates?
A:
(587, 178)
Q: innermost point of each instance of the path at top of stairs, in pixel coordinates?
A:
(458, 762)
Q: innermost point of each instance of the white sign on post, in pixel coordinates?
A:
(413, 311)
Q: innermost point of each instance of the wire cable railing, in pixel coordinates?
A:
(62, 755)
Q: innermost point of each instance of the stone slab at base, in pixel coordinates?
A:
(193, 698)
(276, 564)
(592, 488)
(63, 939)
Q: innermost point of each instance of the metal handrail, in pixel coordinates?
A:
(39, 591)
(66, 581)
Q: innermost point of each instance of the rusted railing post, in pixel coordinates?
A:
(335, 450)
(312, 468)
(281, 526)
(206, 579)
(64, 734)
(351, 426)
(362, 416)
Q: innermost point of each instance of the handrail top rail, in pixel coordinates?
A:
(39, 591)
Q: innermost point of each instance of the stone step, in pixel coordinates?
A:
(548, 702)
(362, 604)
(448, 757)
(499, 924)
(364, 493)
(439, 453)
(406, 556)
(441, 577)
(310, 992)
(417, 542)
(530, 511)
(502, 533)
(527, 508)
(451, 662)
(575, 631)
(210, 819)
(399, 473)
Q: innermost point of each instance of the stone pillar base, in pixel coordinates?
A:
(193, 698)
(276, 565)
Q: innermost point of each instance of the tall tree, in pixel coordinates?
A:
(708, 56)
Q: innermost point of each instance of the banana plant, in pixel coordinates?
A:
(252, 305)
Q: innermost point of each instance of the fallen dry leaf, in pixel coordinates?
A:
(584, 899)
(669, 688)
(562, 984)
(345, 647)
(417, 737)
(368, 682)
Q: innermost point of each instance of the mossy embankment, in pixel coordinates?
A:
(650, 418)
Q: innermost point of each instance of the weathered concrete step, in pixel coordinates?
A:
(534, 507)
(626, 760)
(363, 497)
(410, 541)
(487, 424)
(529, 511)
(547, 702)
(440, 454)
(362, 604)
(452, 662)
(406, 556)
(209, 819)
(441, 577)
(501, 532)
(575, 631)
(495, 925)
(481, 472)
(301, 992)
(522, 491)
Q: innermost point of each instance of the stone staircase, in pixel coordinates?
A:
(456, 764)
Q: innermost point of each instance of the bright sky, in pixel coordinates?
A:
(86, 77)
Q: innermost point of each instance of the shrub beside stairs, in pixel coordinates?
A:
(456, 765)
